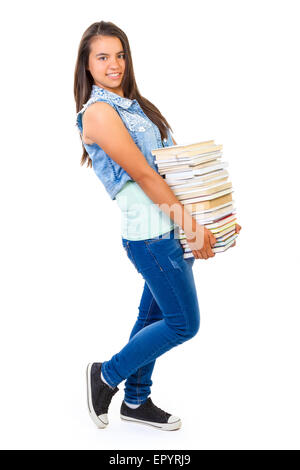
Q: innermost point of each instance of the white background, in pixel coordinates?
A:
(217, 70)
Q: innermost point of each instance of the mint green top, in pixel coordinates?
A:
(141, 217)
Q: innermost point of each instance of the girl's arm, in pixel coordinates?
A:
(103, 125)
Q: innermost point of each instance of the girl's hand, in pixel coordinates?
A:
(201, 244)
(237, 230)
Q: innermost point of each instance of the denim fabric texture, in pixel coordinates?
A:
(168, 313)
(143, 131)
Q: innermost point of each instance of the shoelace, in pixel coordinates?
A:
(162, 412)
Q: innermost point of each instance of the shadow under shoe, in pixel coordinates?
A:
(149, 414)
(99, 395)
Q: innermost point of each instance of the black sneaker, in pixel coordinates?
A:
(99, 395)
(148, 413)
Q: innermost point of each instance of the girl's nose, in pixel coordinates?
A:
(114, 61)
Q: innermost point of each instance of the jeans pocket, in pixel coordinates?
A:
(168, 253)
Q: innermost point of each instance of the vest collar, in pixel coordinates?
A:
(117, 99)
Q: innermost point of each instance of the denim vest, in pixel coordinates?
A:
(143, 131)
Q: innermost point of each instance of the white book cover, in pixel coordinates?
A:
(191, 173)
(199, 180)
(208, 198)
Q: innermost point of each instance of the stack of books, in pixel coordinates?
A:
(200, 180)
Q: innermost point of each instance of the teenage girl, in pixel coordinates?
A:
(119, 128)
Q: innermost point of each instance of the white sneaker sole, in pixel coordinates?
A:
(99, 423)
(163, 426)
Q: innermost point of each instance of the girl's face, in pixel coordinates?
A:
(106, 58)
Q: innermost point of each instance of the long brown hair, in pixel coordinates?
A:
(83, 80)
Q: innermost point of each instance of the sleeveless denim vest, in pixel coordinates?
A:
(143, 131)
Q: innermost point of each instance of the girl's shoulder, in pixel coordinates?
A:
(98, 94)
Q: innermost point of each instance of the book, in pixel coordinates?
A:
(180, 151)
(211, 215)
(190, 160)
(216, 249)
(221, 222)
(209, 204)
(190, 173)
(178, 148)
(205, 192)
(200, 186)
(200, 180)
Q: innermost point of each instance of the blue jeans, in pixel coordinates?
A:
(168, 313)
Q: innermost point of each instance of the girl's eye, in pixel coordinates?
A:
(120, 55)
